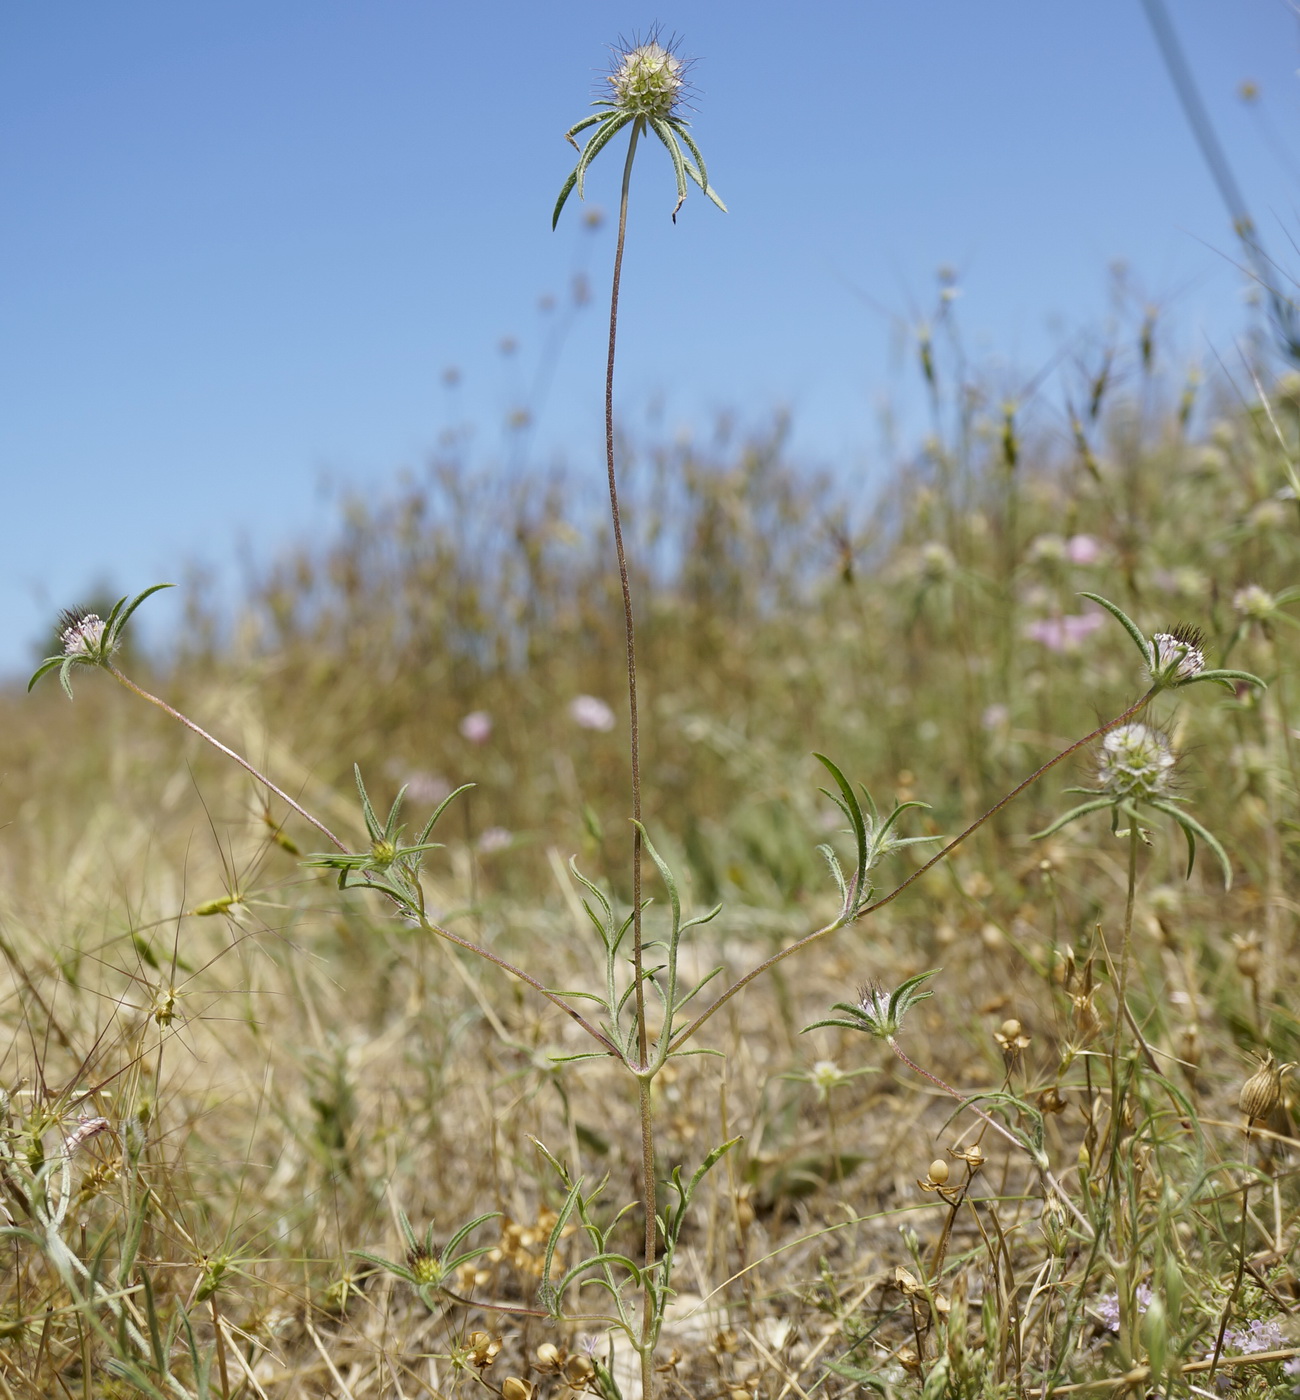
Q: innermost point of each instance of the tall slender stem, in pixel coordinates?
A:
(643, 1047)
(628, 623)
(229, 753)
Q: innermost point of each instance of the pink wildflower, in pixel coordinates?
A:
(476, 727)
(588, 712)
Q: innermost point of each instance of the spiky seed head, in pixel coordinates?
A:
(1262, 1092)
(424, 1265)
(1179, 655)
(81, 633)
(1136, 762)
(648, 79)
(383, 853)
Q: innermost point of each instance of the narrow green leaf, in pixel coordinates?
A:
(596, 144)
(667, 875)
(565, 192)
(1096, 805)
(440, 809)
(1192, 828)
(854, 811)
(583, 125)
(114, 624)
(372, 821)
(1131, 627)
(664, 133)
(1219, 674)
(454, 1243)
(47, 665)
(700, 176)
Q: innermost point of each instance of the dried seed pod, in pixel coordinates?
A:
(578, 1370)
(1250, 957)
(1262, 1092)
(515, 1388)
(549, 1357)
(939, 1171)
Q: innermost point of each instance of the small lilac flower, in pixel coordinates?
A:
(476, 727)
(1063, 633)
(1256, 1335)
(1107, 1308)
(1082, 549)
(1292, 1367)
(427, 789)
(588, 712)
(495, 838)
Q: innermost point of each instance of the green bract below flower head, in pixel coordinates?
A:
(647, 80)
(877, 1011)
(1136, 762)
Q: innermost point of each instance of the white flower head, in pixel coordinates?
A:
(476, 727)
(588, 712)
(648, 79)
(1136, 762)
(1178, 655)
(82, 634)
(1254, 603)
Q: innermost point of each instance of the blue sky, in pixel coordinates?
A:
(243, 242)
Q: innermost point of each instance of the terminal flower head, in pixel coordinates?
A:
(646, 85)
(1178, 655)
(1175, 658)
(877, 1011)
(81, 633)
(647, 79)
(86, 639)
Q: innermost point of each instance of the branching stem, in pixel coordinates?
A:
(683, 1036)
